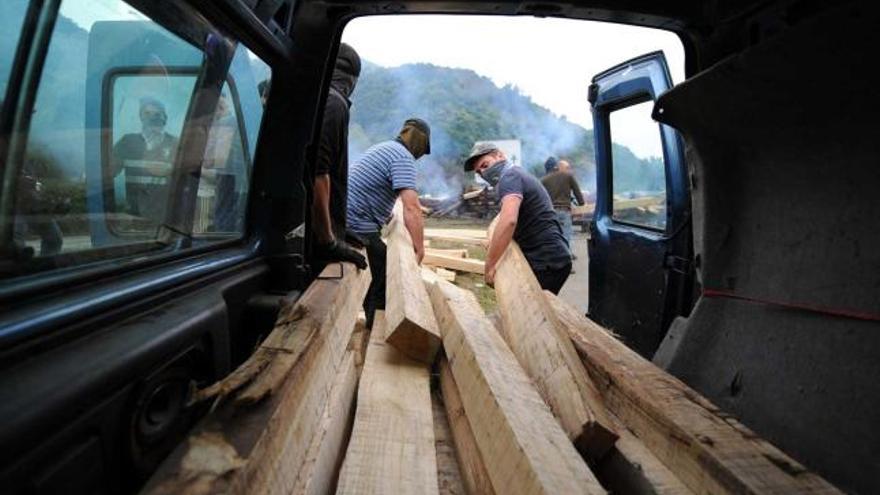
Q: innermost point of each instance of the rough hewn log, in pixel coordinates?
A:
(267, 412)
(706, 449)
(325, 454)
(473, 469)
(391, 449)
(524, 448)
(533, 333)
(412, 328)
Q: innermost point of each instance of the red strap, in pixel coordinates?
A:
(846, 313)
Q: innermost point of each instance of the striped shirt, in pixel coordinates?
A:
(373, 183)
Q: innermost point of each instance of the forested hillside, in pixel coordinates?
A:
(462, 107)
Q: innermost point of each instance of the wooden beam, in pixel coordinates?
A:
(449, 478)
(465, 240)
(706, 449)
(522, 445)
(412, 328)
(629, 467)
(532, 331)
(453, 263)
(391, 449)
(325, 453)
(268, 411)
(447, 275)
(470, 233)
(455, 253)
(473, 469)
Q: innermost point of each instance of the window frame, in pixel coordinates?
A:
(107, 138)
(63, 272)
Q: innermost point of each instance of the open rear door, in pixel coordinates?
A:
(640, 245)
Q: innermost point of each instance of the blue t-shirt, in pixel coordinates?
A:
(538, 232)
(373, 183)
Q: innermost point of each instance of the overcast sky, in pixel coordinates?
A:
(550, 60)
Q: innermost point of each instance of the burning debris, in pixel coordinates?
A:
(471, 203)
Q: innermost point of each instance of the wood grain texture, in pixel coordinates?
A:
(523, 446)
(412, 328)
(473, 470)
(708, 450)
(327, 450)
(276, 429)
(392, 448)
(533, 332)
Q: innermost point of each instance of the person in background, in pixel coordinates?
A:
(526, 216)
(562, 188)
(331, 169)
(146, 158)
(385, 172)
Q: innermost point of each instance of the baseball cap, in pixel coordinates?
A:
(477, 151)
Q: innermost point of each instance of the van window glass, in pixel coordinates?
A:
(12, 14)
(638, 171)
(102, 151)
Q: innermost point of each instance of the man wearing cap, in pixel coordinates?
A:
(146, 159)
(526, 216)
(561, 186)
(331, 168)
(385, 172)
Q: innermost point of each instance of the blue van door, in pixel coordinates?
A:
(640, 240)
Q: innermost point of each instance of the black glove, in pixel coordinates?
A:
(354, 239)
(340, 251)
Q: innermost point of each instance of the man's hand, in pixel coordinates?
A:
(489, 276)
(355, 240)
(340, 251)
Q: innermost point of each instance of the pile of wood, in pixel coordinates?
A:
(439, 399)
(477, 203)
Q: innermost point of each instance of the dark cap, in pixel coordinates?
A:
(550, 164)
(422, 126)
(348, 60)
(477, 151)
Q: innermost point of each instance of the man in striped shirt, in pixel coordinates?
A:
(385, 172)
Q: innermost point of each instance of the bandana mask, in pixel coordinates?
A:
(415, 141)
(493, 174)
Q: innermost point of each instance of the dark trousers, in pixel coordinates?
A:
(376, 252)
(553, 279)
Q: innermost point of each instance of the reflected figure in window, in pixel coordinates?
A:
(146, 158)
(223, 164)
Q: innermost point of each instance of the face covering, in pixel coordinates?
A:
(414, 140)
(493, 174)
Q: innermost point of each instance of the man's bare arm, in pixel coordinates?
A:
(321, 210)
(503, 233)
(412, 219)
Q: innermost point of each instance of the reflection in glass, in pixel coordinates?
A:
(638, 171)
(148, 112)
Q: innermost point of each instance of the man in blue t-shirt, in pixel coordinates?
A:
(385, 172)
(526, 216)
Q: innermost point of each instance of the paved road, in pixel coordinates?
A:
(576, 288)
